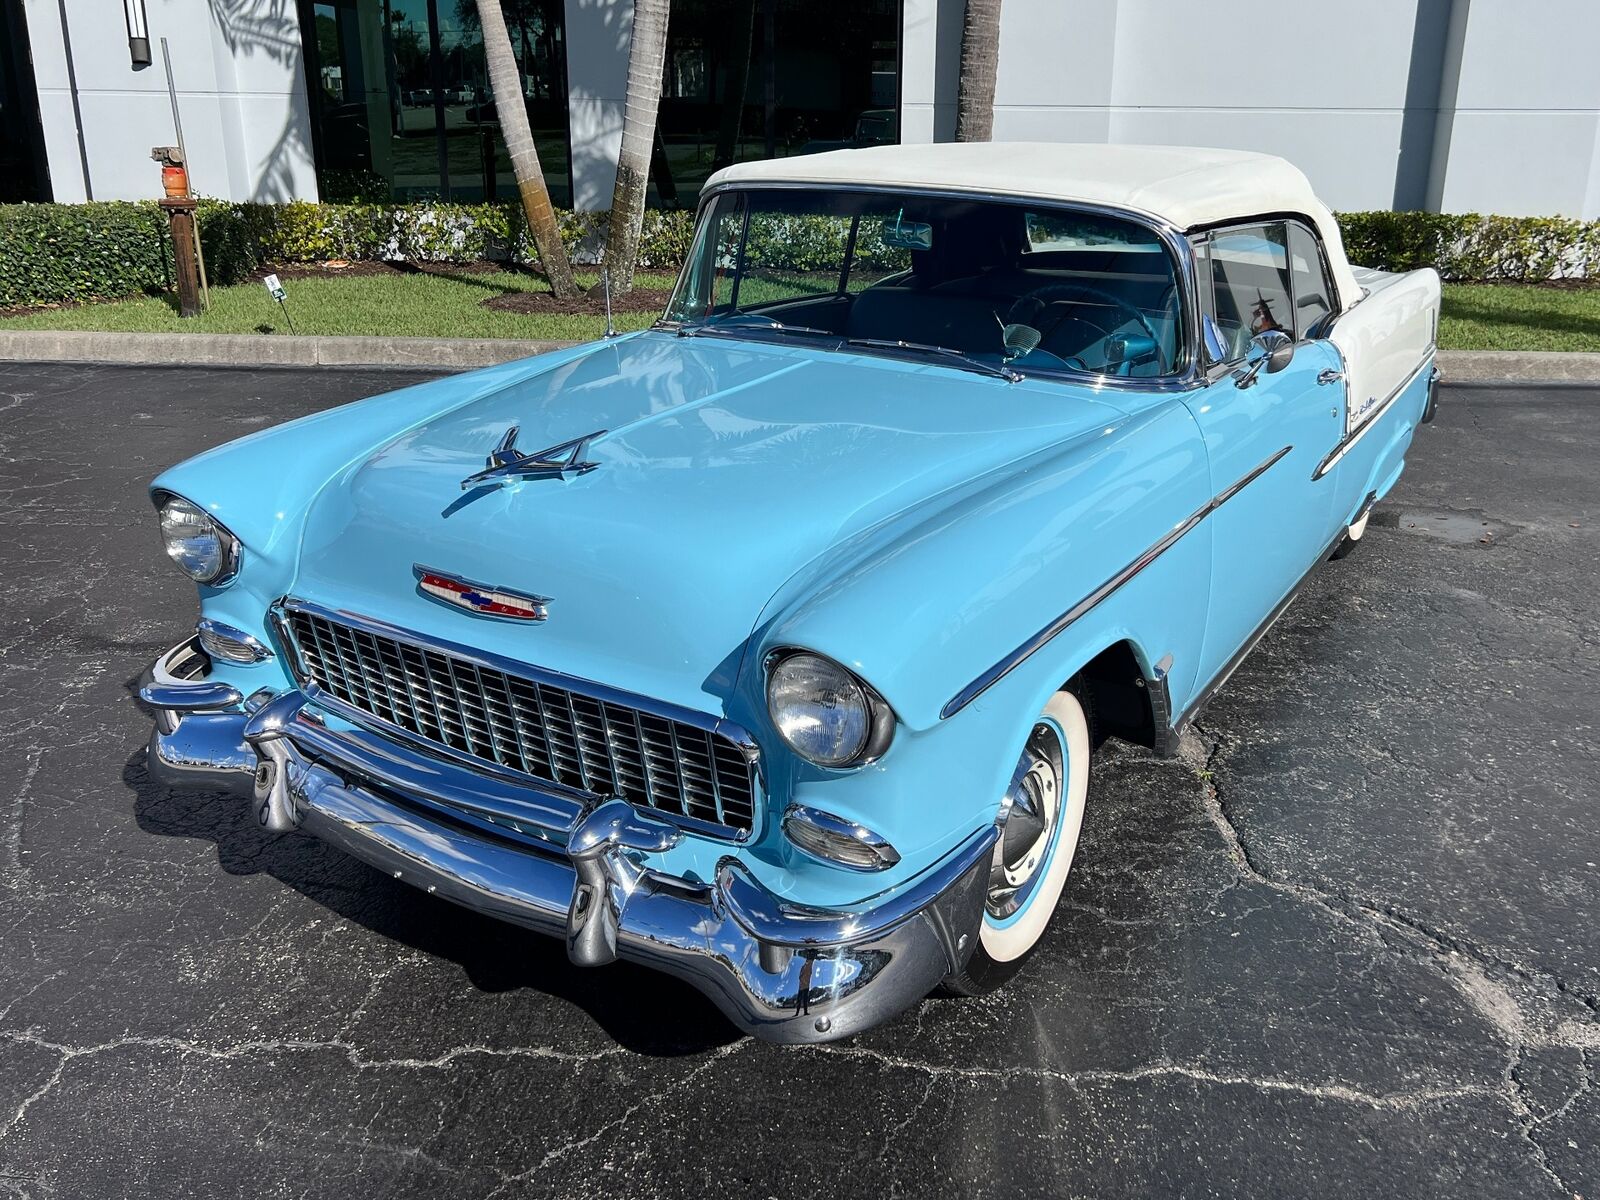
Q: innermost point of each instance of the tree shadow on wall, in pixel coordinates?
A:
(271, 28)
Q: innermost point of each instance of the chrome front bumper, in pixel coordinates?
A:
(779, 970)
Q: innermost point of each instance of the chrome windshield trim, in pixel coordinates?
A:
(1039, 640)
(1173, 238)
(1348, 442)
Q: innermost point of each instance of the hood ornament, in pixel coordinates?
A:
(481, 598)
(507, 463)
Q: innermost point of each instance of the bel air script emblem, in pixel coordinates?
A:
(480, 598)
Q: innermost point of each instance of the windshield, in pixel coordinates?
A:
(1022, 287)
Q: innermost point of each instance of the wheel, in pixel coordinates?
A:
(1352, 537)
(1044, 814)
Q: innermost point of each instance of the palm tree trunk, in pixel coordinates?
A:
(980, 62)
(646, 62)
(506, 83)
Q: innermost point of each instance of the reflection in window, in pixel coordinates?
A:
(402, 104)
(751, 79)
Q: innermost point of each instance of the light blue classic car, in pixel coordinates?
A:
(770, 646)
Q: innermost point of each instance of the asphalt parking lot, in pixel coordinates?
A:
(1350, 944)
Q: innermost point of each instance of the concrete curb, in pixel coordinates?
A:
(461, 354)
(261, 350)
(1518, 366)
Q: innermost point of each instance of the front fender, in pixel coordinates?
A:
(262, 486)
(934, 602)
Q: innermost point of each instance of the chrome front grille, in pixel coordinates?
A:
(590, 742)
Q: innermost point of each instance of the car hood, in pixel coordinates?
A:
(726, 467)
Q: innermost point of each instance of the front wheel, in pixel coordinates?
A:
(1042, 814)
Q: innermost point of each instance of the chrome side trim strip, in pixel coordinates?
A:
(1039, 640)
(1347, 443)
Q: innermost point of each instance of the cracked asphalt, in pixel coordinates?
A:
(1349, 943)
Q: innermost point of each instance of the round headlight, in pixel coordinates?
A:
(203, 550)
(825, 713)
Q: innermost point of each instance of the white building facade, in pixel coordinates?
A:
(1446, 105)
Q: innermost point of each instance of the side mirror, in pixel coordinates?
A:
(1270, 350)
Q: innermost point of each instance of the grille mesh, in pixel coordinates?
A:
(548, 732)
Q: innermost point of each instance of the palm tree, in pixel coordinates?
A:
(506, 83)
(646, 62)
(980, 61)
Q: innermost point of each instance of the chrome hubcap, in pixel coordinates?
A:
(1030, 813)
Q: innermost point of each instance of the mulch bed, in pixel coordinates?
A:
(589, 303)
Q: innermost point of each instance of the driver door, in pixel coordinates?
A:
(1265, 431)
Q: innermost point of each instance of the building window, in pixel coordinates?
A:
(401, 105)
(23, 175)
(766, 78)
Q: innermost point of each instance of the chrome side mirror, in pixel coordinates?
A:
(1271, 349)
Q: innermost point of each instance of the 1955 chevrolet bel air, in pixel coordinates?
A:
(769, 646)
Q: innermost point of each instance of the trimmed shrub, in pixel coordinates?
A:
(1473, 246)
(53, 253)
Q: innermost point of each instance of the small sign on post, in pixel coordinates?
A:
(275, 290)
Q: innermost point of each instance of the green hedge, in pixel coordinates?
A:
(1471, 246)
(56, 253)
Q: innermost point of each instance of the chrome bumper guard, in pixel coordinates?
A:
(779, 970)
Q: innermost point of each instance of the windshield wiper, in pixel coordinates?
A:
(741, 321)
(961, 356)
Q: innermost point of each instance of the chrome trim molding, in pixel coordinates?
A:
(1039, 640)
(1347, 443)
(819, 833)
(781, 970)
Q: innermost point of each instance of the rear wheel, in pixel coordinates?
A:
(1038, 839)
(1352, 536)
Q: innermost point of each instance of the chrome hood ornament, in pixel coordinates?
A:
(507, 463)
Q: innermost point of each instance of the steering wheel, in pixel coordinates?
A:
(1040, 296)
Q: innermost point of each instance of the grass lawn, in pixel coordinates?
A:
(394, 304)
(1493, 316)
(447, 304)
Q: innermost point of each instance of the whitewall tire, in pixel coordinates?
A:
(1043, 816)
(1352, 536)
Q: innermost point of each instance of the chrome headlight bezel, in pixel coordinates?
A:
(227, 551)
(879, 718)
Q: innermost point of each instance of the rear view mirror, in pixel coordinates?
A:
(907, 235)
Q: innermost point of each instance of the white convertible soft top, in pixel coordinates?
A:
(1184, 186)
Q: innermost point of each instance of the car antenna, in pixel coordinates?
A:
(605, 286)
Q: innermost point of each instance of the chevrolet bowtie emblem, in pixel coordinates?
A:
(508, 463)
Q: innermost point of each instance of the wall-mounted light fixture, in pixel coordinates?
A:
(138, 33)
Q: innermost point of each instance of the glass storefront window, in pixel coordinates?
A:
(402, 105)
(767, 78)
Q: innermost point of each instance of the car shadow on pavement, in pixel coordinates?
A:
(495, 956)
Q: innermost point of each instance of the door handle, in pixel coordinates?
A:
(1328, 375)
